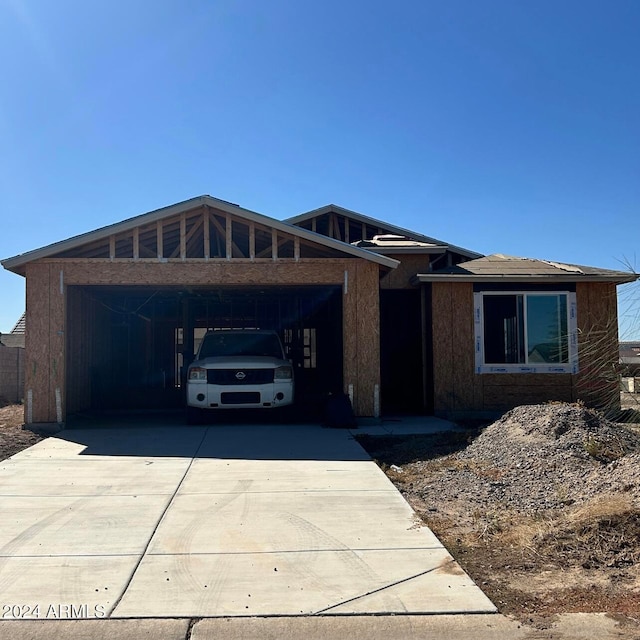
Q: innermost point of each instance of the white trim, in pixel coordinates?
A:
(572, 339)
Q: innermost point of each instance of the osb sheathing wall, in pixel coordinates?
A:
(44, 343)
(361, 338)
(597, 382)
(458, 390)
(454, 387)
(48, 301)
(400, 277)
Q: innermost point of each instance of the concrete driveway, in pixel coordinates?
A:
(239, 520)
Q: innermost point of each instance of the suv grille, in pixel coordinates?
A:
(228, 376)
(240, 397)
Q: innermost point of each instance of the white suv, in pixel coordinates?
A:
(239, 369)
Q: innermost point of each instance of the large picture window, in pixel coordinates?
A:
(525, 332)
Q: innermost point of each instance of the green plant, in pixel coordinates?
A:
(604, 451)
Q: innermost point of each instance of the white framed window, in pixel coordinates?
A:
(525, 332)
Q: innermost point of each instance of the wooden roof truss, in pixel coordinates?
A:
(202, 234)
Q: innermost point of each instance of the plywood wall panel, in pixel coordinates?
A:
(527, 380)
(368, 339)
(350, 331)
(56, 343)
(442, 347)
(597, 380)
(400, 277)
(462, 338)
(504, 397)
(308, 271)
(457, 388)
(37, 344)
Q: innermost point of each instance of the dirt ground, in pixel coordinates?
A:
(12, 437)
(541, 508)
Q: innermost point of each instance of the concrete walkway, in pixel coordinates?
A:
(216, 521)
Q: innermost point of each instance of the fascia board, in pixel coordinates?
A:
(447, 277)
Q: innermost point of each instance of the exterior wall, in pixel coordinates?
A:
(11, 374)
(49, 303)
(455, 387)
(361, 338)
(597, 382)
(45, 373)
(410, 264)
(459, 391)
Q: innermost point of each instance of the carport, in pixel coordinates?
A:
(115, 315)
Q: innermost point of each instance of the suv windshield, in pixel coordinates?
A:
(241, 344)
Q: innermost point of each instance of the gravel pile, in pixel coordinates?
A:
(543, 457)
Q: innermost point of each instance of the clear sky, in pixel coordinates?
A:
(503, 126)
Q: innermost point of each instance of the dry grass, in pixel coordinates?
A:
(11, 415)
(581, 559)
(527, 532)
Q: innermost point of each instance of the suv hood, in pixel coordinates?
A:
(240, 362)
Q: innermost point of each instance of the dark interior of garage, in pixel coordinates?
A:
(128, 347)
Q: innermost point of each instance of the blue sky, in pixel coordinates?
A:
(502, 126)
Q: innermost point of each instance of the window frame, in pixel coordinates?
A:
(539, 367)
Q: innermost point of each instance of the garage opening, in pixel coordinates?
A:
(128, 348)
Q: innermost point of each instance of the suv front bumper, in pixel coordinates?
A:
(202, 395)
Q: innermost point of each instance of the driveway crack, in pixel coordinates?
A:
(155, 529)
(369, 593)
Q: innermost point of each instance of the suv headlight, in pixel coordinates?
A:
(283, 373)
(197, 373)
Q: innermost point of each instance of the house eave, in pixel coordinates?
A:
(423, 278)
